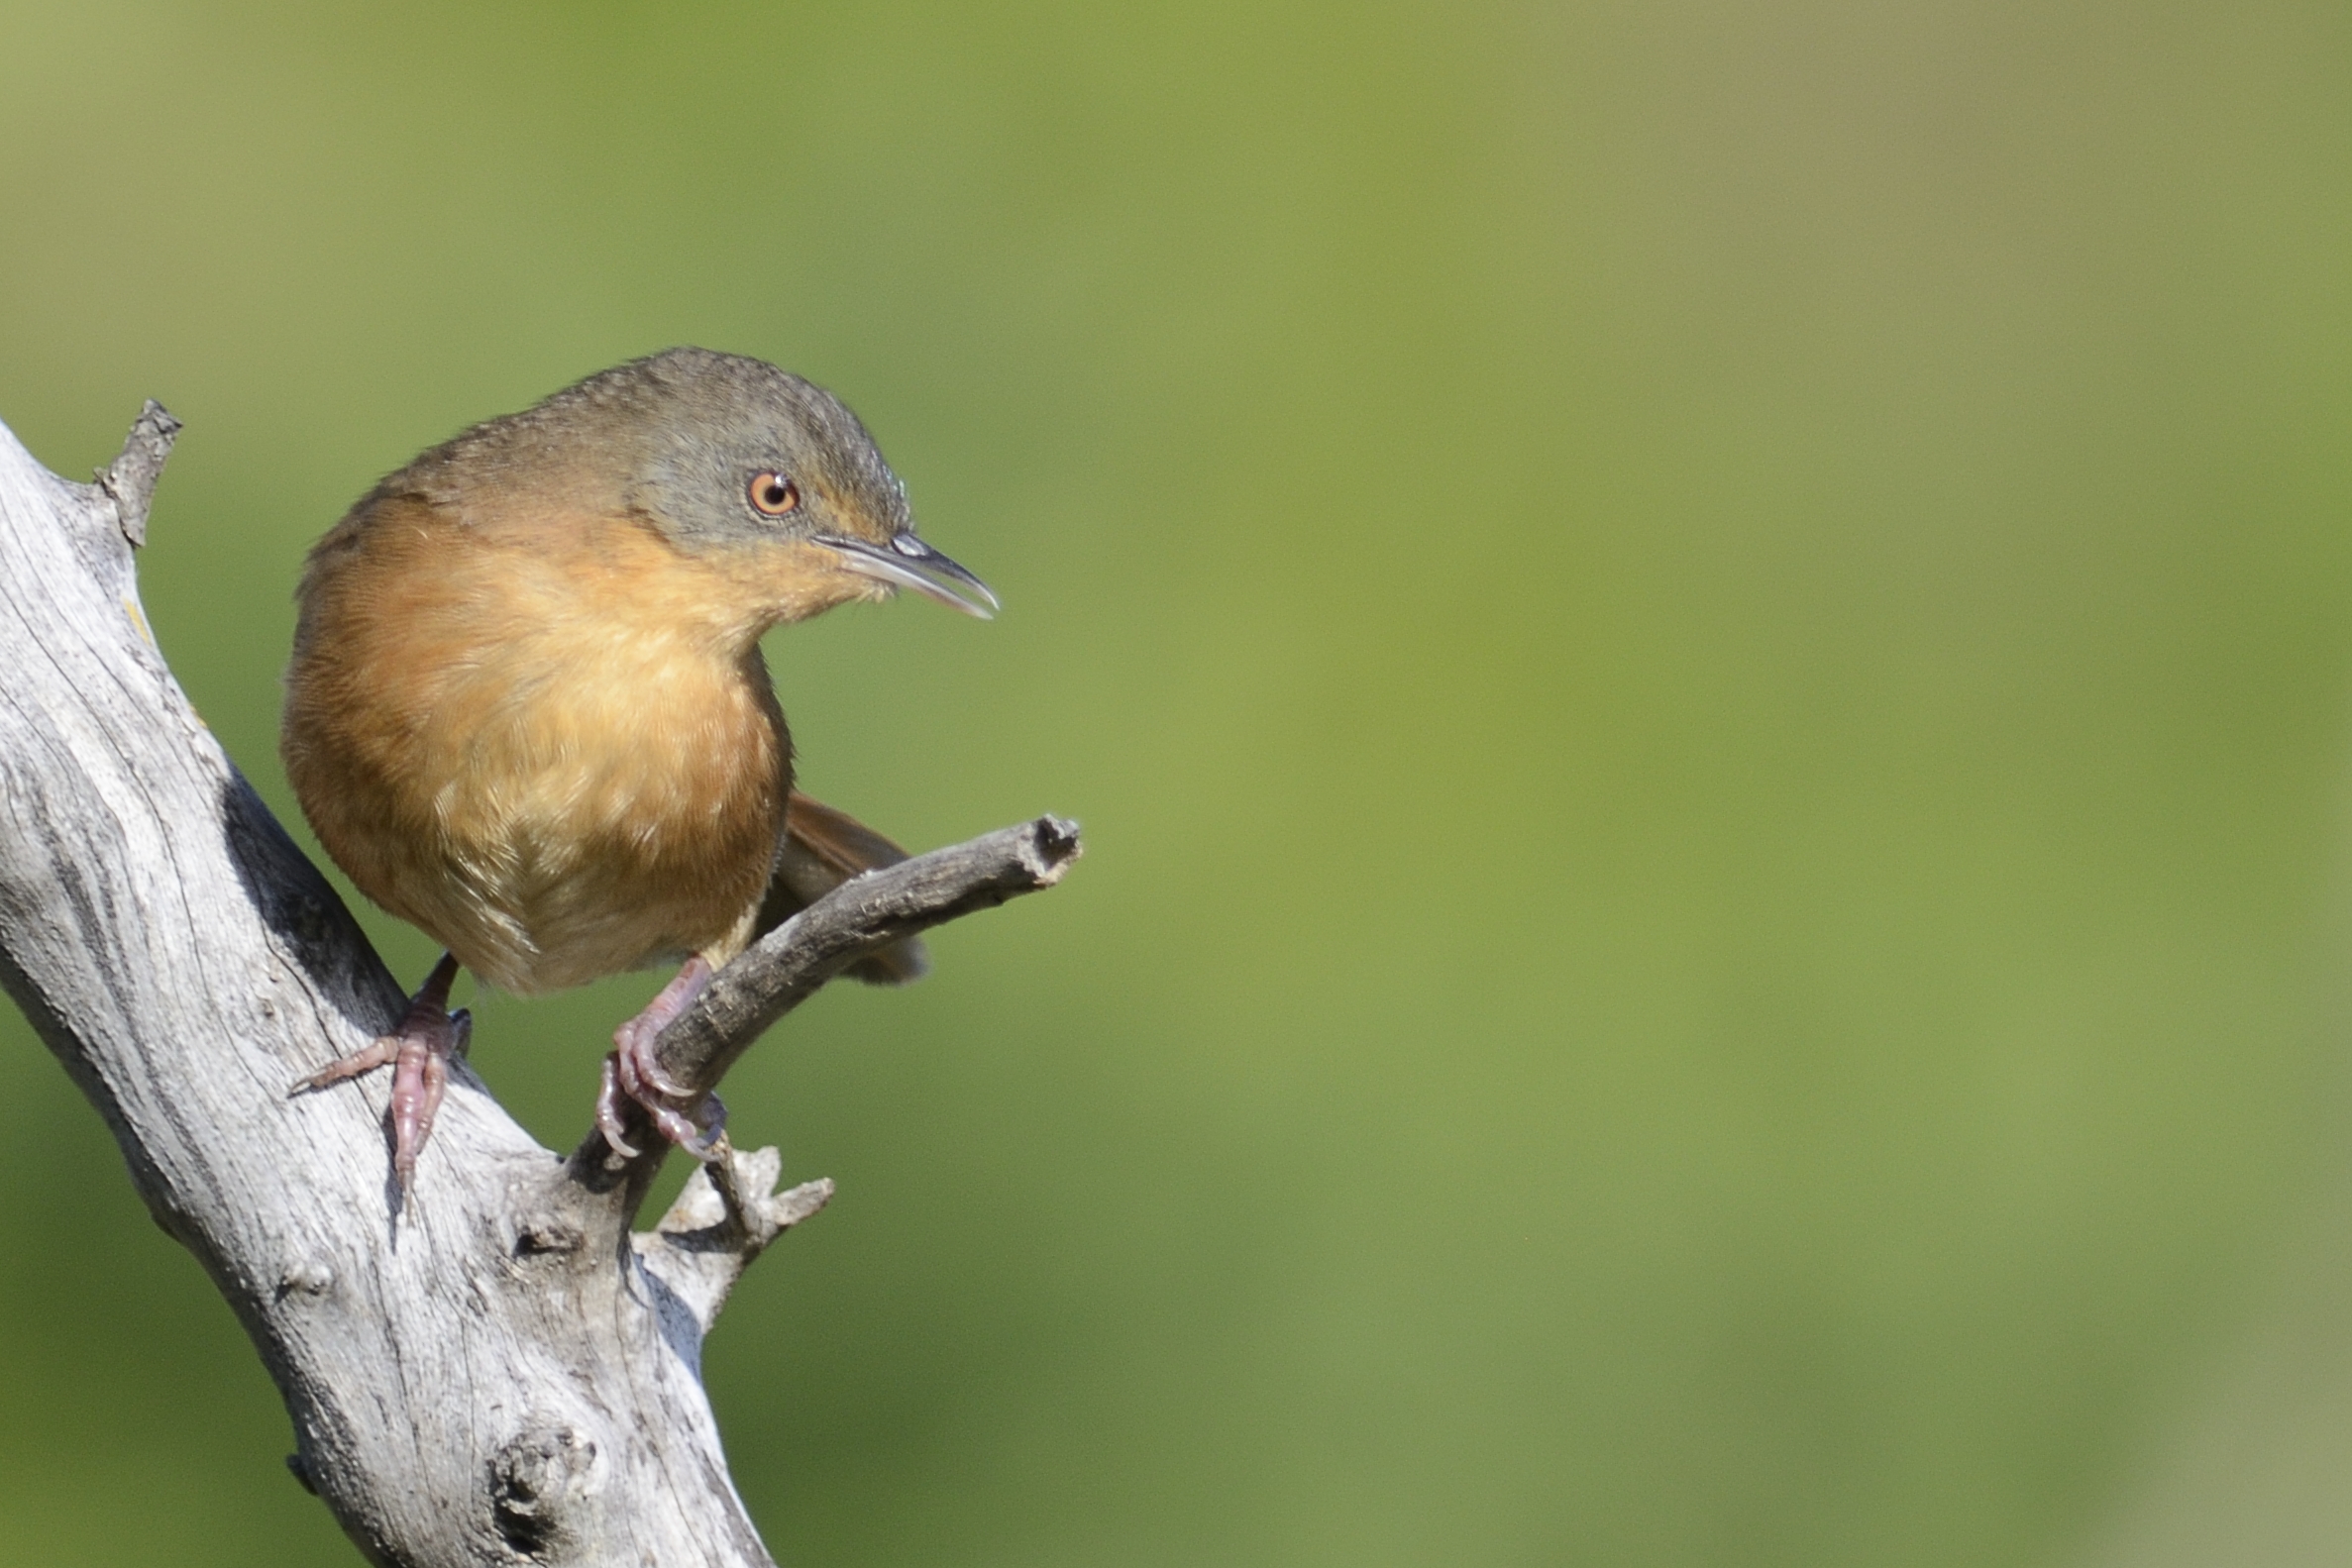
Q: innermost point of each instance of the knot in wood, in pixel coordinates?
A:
(307, 1277)
(537, 1483)
(544, 1238)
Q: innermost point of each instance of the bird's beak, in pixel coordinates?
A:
(909, 563)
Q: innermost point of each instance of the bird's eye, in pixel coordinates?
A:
(773, 495)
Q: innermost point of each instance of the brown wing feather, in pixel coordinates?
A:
(823, 848)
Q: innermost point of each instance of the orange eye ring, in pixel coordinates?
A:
(773, 495)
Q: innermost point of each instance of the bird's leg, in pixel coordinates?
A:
(691, 1121)
(418, 1051)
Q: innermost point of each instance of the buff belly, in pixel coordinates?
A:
(485, 761)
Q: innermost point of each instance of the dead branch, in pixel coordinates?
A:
(497, 1371)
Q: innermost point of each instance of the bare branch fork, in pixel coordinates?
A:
(497, 1371)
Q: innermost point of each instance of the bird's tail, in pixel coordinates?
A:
(823, 848)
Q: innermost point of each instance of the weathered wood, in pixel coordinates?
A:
(495, 1370)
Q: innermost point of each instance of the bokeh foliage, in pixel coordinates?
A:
(1703, 647)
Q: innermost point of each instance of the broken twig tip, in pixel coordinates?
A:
(129, 479)
(789, 1208)
(1056, 845)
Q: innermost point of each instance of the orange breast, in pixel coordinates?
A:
(556, 752)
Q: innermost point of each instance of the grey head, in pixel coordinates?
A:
(720, 451)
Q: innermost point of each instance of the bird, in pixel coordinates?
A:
(527, 712)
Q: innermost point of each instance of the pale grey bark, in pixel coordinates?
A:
(496, 1370)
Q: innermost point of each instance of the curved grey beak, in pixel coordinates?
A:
(909, 563)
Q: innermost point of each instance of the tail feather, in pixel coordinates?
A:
(822, 849)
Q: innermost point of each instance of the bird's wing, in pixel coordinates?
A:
(823, 848)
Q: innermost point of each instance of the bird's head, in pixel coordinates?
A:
(730, 456)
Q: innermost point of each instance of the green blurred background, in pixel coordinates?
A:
(1705, 653)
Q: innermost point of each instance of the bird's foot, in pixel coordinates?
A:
(696, 1122)
(418, 1051)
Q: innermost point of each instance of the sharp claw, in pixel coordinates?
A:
(636, 1038)
(695, 1122)
(609, 1116)
(712, 1131)
(623, 1067)
(689, 1121)
(649, 1073)
(675, 1127)
(634, 1043)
